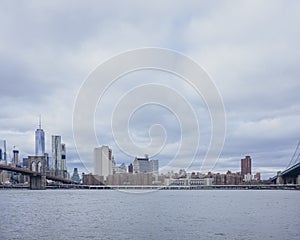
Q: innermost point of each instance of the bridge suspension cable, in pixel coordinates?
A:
(295, 156)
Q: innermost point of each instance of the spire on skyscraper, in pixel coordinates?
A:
(40, 121)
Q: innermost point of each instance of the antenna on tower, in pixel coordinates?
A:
(40, 122)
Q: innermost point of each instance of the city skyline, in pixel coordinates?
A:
(253, 62)
(105, 165)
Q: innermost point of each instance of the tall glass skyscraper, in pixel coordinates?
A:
(39, 141)
(3, 150)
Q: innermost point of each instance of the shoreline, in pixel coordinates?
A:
(171, 187)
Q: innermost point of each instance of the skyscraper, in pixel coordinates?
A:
(141, 165)
(15, 160)
(75, 177)
(47, 159)
(153, 166)
(246, 167)
(3, 151)
(103, 161)
(64, 161)
(56, 155)
(39, 140)
(63, 157)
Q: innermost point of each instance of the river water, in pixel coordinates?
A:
(168, 214)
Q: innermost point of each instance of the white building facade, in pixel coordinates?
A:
(103, 161)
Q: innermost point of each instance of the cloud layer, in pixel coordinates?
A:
(250, 49)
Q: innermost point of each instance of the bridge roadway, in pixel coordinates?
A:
(289, 176)
(28, 172)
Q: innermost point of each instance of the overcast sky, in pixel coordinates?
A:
(250, 49)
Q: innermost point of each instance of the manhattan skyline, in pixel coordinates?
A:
(250, 49)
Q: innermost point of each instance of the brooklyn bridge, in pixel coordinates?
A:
(37, 173)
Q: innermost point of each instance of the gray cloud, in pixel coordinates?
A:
(250, 48)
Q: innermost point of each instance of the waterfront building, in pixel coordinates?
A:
(257, 176)
(246, 168)
(90, 179)
(227, 179)
(39, 140)
(119, 168)
(143, 165)
(4, 177)
(153, 166)
(103, 161)
(138, 179)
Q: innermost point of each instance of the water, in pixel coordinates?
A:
(98, 214)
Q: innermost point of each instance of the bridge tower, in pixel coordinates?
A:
(38, 180)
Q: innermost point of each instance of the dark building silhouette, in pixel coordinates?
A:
(25, 163)
(15, 159)
(47, 158)
(130, 168)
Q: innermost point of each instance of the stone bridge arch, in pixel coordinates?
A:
(37, 164)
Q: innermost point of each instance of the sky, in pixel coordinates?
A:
(249, 49)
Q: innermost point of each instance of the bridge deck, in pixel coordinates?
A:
(26, 171)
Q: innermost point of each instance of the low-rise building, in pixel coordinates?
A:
(90, 179)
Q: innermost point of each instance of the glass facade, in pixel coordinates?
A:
(39, 142)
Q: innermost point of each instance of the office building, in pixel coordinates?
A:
(140, 179)
(90, 179)
(143, 165)
(257, 176)
(119, 168)
(130, 168)
(3, 151)
(246, 168)
(39, 140)
(56, 156)
(153, 166)
(15, 159)
(75, 177)
(103, 161)
(47, 159)
(63, 157)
